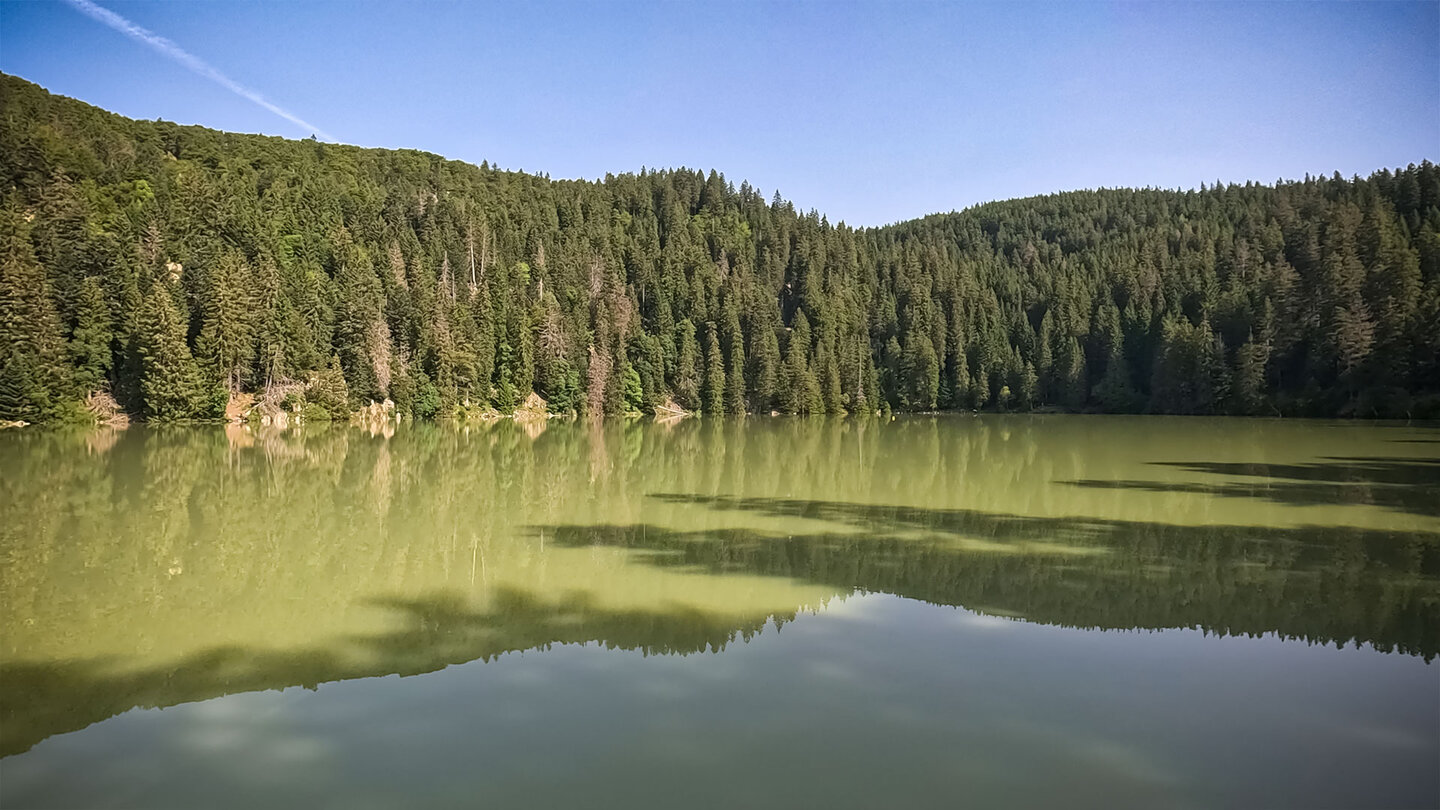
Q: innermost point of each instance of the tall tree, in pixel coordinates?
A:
(171, 386)
(30, 327)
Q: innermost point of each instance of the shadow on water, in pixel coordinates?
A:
(1402, 484)
(43, 699)
(1415, 472)
(1322, 584)
(218, 526)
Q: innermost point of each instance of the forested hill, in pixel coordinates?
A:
(171, 266)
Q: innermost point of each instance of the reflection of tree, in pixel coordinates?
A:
(164, 565)
(1402, 484)
(1323, 584)
(440, 630)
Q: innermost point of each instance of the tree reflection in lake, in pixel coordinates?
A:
(152, 567)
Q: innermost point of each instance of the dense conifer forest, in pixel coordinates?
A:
(171, 267)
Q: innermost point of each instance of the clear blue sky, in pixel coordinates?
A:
(868, 112)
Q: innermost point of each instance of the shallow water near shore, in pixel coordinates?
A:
(1022, 610)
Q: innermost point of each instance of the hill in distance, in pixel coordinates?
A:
(178, 270)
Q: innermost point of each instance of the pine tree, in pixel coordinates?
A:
(830, 389)
(765, 371)
(358, 307)
(329, 393)
(30, 326)
(22, 397)
(686, 385)
(270, 263)
(714, 390)
(800, 389)
(1115, 392)
(735, 381)
(90, 341)
(1248, 391)
(634, 397)
(1072, 365)
(920, 371)
(226, 342)
(171, 384)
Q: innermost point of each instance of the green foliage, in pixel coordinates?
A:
(29, 329)
(427, 398)
(171, 383)
(22, 397)
(329, 392)
(90, 355)
(226, 345)
(686, 384)
(444, 285)
(714, 372)
(634, 391)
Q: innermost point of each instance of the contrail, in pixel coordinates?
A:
(194, 63)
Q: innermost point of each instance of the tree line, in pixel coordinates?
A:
(172, 267)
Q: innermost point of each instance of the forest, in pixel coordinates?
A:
(169, 269)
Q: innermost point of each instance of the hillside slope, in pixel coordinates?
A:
(172, 266)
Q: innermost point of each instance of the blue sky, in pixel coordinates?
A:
(868, 112)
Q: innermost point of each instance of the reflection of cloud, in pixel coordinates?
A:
(1124, 760)
(253, 735)
(833, 671)
(1094, 752)
(1362, 731)
(853, 607)
(981, 621)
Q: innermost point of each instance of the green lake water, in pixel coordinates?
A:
(1035, 611)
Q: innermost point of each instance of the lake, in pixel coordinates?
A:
(1079, 611)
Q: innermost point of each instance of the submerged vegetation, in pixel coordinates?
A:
(174, 267)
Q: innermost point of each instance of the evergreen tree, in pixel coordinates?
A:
(90, 353)
(22, 397)
(329, 393)
(801, 390)
(445, 284)
(714, 394)
(30, 327)
(735, 381)
(687, 367)
(765, 373)
(921, 371)
(634, 391)
(171, 384)
(226, 342)
(1248, 390)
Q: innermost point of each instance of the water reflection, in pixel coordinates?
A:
(150, 567)
(1334, 585)
(429, 633)
(1403, 484)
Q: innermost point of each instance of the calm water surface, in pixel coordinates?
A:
(930, 612)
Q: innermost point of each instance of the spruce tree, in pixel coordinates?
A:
(1338, 280)
(686, 385)
(735, 380)
(714, 394)
(90, 341)
(22, 397)
(171, 384)
(226, 342)
(765, 370)
(329, 393)
(29, 324)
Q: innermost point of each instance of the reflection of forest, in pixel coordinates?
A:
(41, 699)
(150, 567)
(1321, 584)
